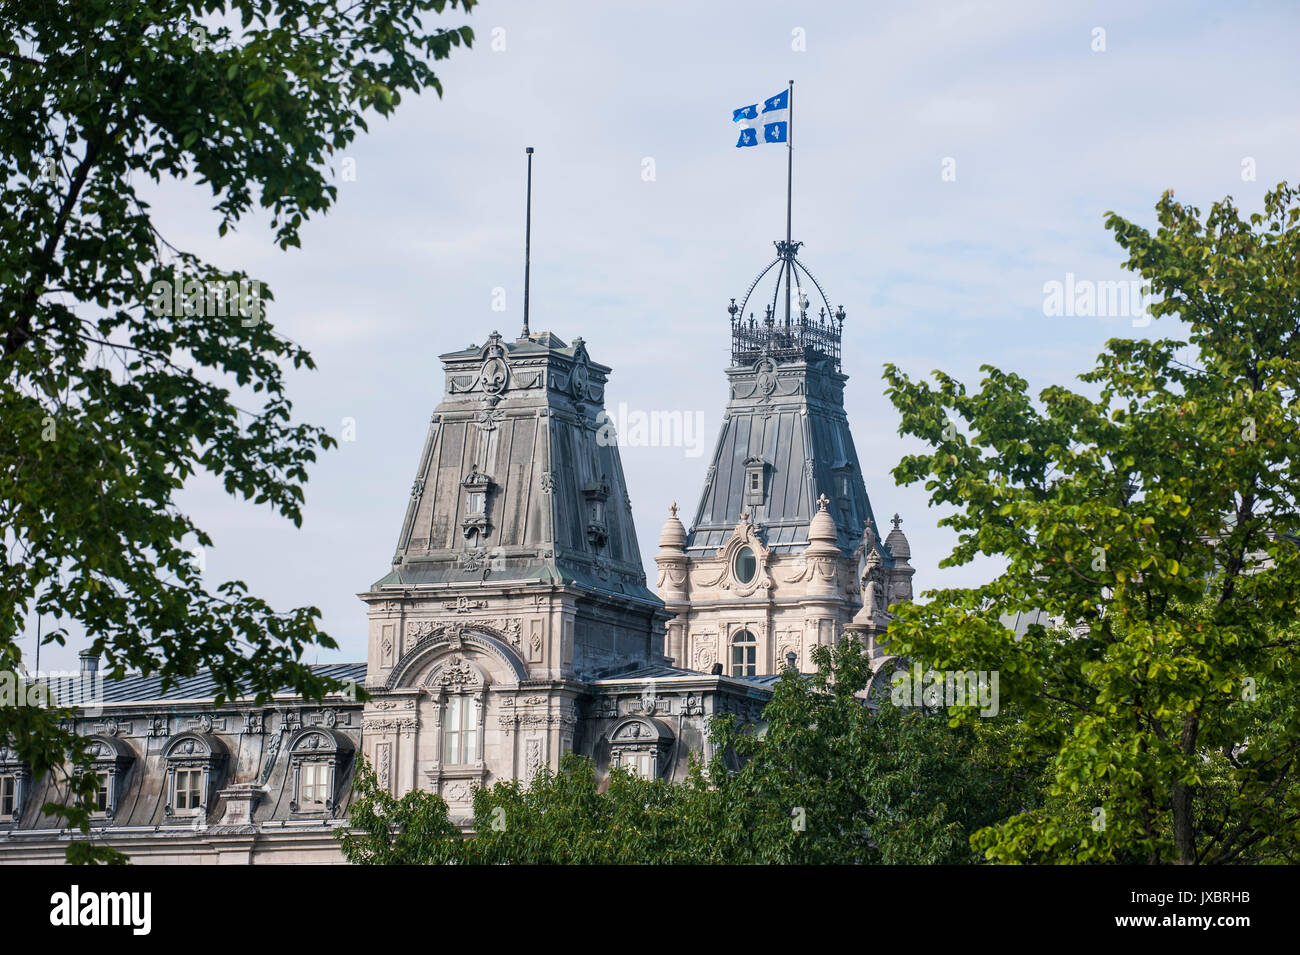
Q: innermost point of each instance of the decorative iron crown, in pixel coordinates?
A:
(796, 336)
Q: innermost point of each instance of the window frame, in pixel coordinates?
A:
(8, 781)
(755, 487)
(317, 750)
(639, 745)
(464, 709)
(748, 650)
(314, 784)
(735, 565)
(193, 797)
(192, 752)
(112, 761)
(103, 791)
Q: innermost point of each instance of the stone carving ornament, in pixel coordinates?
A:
(385, 766)
(494, 375)
(533, 761)
(459, 674)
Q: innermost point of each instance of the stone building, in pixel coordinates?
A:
(784, 552)
(515, 622)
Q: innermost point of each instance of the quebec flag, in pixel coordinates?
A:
(769, 125)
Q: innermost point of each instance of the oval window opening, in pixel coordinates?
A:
(746, 565)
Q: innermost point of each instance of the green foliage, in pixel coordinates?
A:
(826, 781)
(1160, 517)
(413, 830)
(891, 785)
(112, 398)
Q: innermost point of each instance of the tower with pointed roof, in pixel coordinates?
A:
(783, 552)
(517, 575)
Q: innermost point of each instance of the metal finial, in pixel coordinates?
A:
(896, 520)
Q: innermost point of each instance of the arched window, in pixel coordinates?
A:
(744, 654)
(461, 687)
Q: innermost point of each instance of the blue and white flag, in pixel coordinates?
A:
(769, 125)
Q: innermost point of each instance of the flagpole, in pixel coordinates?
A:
(528, 235)
(789, 188)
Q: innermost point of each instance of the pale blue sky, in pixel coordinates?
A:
(1047, 135)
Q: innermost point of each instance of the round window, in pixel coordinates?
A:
(746, 566)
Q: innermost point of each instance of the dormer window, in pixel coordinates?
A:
(112, 760)
(475, 523)
(195, 762)
(755, 482)
(844, 485)
(639, 746)
(15, 779)
(596, 493)
(318, 758)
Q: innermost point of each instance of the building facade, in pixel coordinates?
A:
(515, 622)
(784, 553)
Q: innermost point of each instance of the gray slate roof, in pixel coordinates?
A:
(791, 415)
(134, 688)
(519, 417)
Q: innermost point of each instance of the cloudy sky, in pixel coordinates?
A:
(1044, 116)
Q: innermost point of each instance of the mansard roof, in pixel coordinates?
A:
(522, 422)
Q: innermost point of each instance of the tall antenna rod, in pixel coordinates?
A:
(528, 236)
(789, 188)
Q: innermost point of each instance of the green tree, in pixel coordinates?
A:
(829, 780)
(384, 830)
(1156, 516)
(824, 780)
(128, 365)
